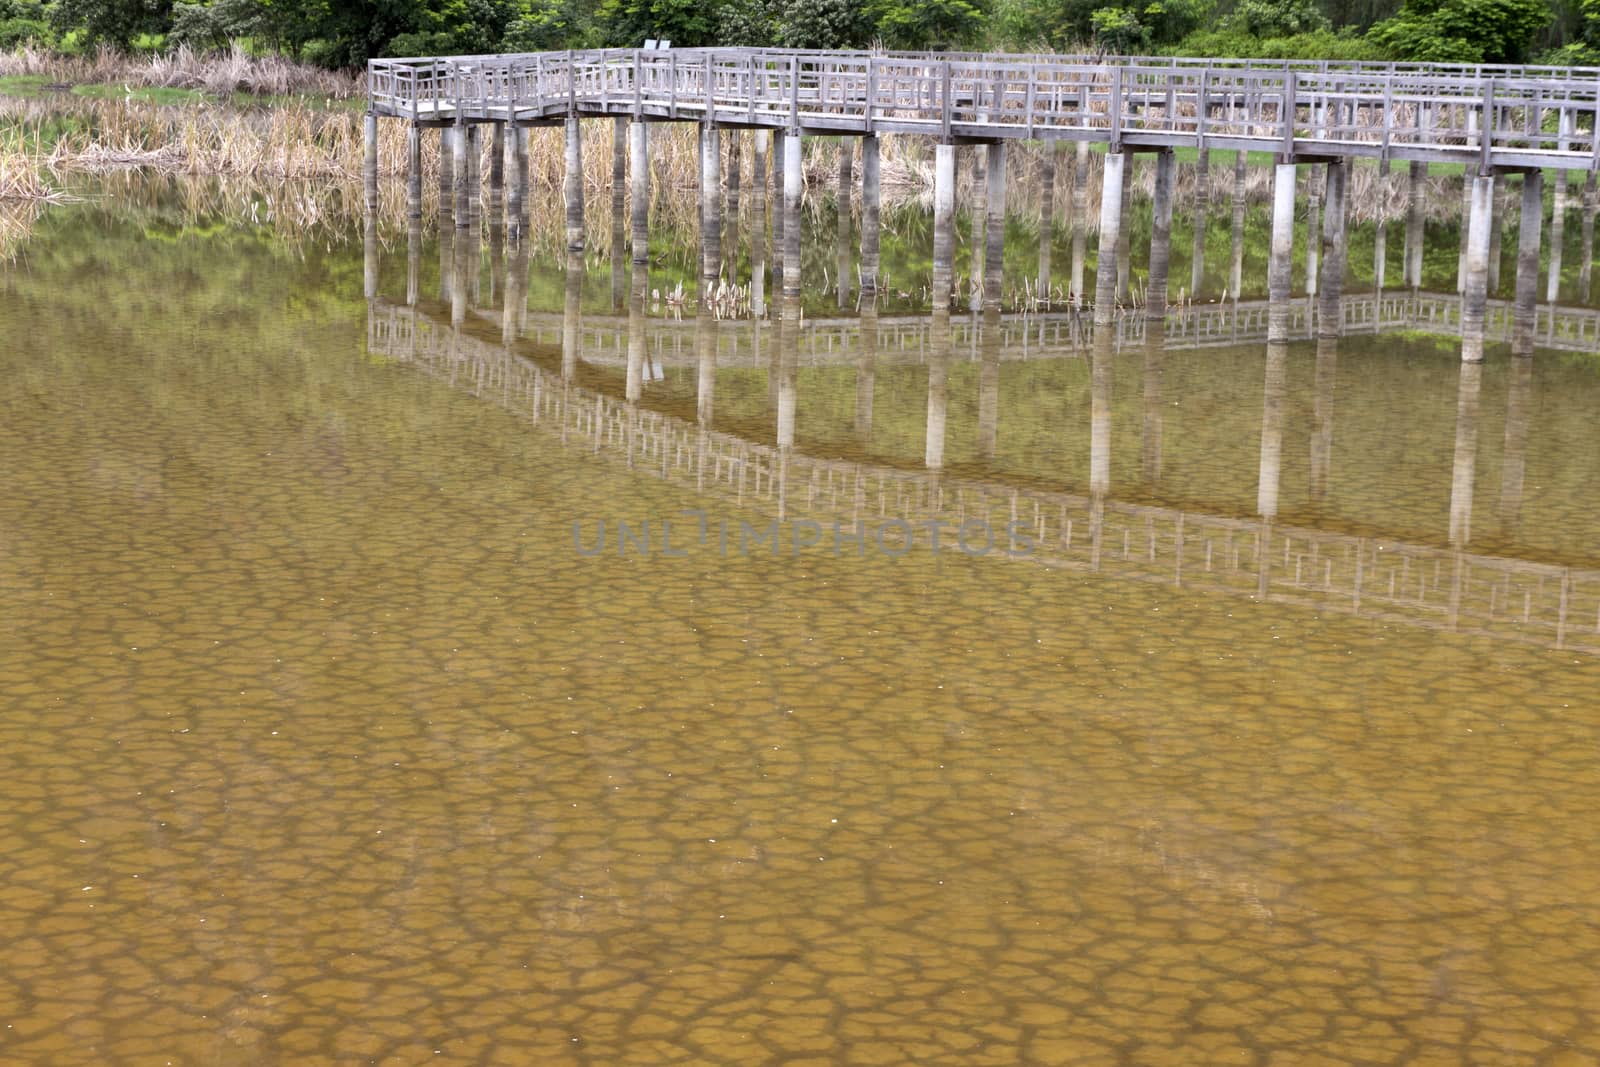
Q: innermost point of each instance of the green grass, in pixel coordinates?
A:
(23, 85)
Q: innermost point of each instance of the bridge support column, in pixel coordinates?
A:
(793, 185)
(1466, 219)
(980, 225)
(758, 231)
(519, 181)
(1558, 236)
(1105, 270)
(1155, 306)
(939, 347)
(1586, 263)
(845, 204)
(619, 206)
(733, 178)
(779, 170)
(1330, 317)
(474, 182)
(944, 206)
(995, 228)
(1380, 244)
(844, 212)
(1314, 183)
(460, 148)
(497, 175)
(1047, 220)
(1078, 222)
(369, 160)
(871, 226)
(1498, 218)
(1531, 223)
(447, 178)
(1279, 264)
(1474, 300)
(414, 172)
(1414, 229)
(1236, 251)
(572, 186)
(639, 151)
(1202, 204)
(710, 212)
(1124, 242)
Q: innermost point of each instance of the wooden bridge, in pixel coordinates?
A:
(1482, 117)
(1429, 586)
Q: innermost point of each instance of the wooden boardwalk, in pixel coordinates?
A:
(1487, 118)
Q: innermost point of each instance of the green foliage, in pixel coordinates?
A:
(1324, 44)
(629, 23)
(1118, 30)
(1276, 18)
(841, 24)
(113, 22)
(1462, 31)
(926, 24)
(16, 31)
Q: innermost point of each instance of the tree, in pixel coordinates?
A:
(113, 22)
(1462, 31)
(834, 24)
(926, 24)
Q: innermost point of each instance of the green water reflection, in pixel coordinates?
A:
(320, 740)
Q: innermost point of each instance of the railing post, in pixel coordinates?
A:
(1486, 127)
(871, 96)
(1290, 84)
(1116, 106)
(711, 96)
(794, 91)
(946, 106)
(638, 84)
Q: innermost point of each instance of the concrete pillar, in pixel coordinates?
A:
(995, 227)
(1279, 264)
(1274, 393)
(989, 344)
(944, 204)
(844, 219)
(1079, 222)
(938, 388)
(1586, 262)
(1047, 221)
(519, 181)
(705, 338)
(866, 368)
(1315, 178)
(414, 172)
(979, 223)
(780, 157)
(710, 212)
(474, 180)
(1418, 175)
(732, 176)
(870, 220)
(1558, 236)
(1100, 357)
(1105, 274)
(1532, 220)
(447, 180)
(845, 200)
(1463, 469)
(1236, 260)
(793, 184)
(572, 314)
(1498, 218)
(369, 249)
(639, 150)
(497, 176)
(1380, 244)
(1466, 217)
(619, 206)
(369, 161)
(572, 185)
(1474, 300)
(638, 289)
(758, 232)
(459, 148)
(1331, 305)
(1160, 236)
(1124, 248)
(1202, 205)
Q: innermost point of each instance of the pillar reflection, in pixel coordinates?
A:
(1514, 464)
(788, 369)
(1464, 469)
(1322, 415)
(638, 290)
(866, 366)
(1152, 427)
(939, 343)
(989, 342)
(705, 342)
(572, 314)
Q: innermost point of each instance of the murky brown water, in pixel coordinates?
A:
(321, 739)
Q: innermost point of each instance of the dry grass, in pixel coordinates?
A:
(220, 73)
